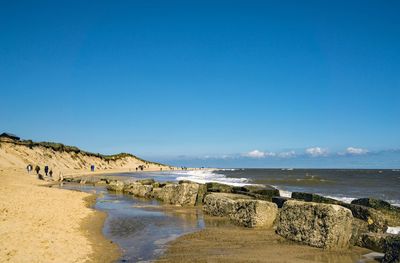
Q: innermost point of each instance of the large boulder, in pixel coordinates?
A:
(253, 213)
(241, 209)
(390, 213)
(221, 204)
(319, 225)
(116, 186)
(375, 219)
(139, 190)
(184, 194)
(392, 249)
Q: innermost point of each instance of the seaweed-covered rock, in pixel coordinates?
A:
(279, 200)
(139, 190)
(390, 213)
(221, 204)
(116, 186)
(374, 241)
(308, 197)
(319, 225)
(253, 213)
(376, 221)
(392, 249)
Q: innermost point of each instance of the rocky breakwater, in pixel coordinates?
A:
(241, 209)
(371, 218)
(320, 225)
(184, 193)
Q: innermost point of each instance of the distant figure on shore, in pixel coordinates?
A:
(92, 168)
(46, 170)
(51, 173)
(29, 168)
(37, 169)
(60, 177)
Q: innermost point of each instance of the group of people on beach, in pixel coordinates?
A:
(47, 171)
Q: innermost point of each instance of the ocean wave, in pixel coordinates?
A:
(208, 176)
(282, 192)
(393, 230)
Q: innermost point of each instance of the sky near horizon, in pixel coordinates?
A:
(207, 83)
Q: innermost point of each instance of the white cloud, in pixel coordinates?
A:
(259, 154)
(288, 154)
(356, 151)
(317, 151)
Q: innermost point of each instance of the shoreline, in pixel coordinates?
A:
(44, 224)
(235, 244)
(104, 250)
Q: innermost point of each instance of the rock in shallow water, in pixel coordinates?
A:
(241, 209)
(319, 225)
(116, 186)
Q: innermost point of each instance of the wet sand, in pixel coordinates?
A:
(42, 224)
(234, 244)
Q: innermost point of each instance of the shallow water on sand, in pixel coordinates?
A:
(141, 227)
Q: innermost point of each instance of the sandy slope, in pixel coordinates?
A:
(19, 156)
(41, 224)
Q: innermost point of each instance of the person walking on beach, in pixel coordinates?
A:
(29, 168)
(51, 173)
(37, 169)
(46, 170)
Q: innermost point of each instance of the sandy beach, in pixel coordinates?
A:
(42, 224)
(221, 243)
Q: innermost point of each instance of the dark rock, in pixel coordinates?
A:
(315, 224)
(376, 222)
(258, 192)
(314, 198)
(279, 200)
(390, 213)
(392, 250)
(374, 241)
(158, 184)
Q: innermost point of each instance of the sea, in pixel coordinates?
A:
(341, 184)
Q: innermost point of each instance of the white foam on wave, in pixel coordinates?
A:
(283, 193)
(342, 198)
(208, 176)
(393, 230)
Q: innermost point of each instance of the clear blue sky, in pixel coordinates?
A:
(258, 83)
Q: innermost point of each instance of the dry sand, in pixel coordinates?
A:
(42, 224)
